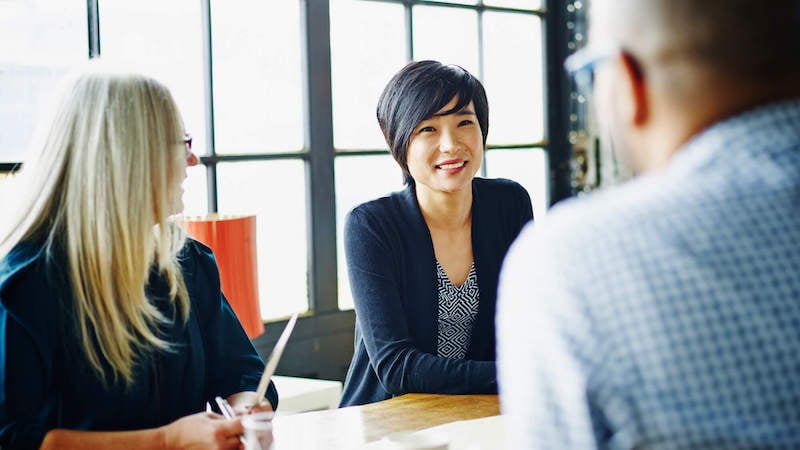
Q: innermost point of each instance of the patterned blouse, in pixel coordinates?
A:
(458, 306)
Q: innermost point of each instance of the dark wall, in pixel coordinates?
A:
(321, 346)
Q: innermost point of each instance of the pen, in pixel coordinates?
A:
(227, 411)
(225, 408)
(272, 362)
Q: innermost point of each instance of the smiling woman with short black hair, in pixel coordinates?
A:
(424, 262)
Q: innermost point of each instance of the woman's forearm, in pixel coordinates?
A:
(199, 431)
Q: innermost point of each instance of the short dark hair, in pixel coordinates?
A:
(416, 93)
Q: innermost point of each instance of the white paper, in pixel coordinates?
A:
(486, 433)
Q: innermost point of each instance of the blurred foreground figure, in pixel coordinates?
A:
(665, 314)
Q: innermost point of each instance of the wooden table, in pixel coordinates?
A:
(351, 428)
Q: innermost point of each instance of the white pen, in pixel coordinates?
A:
(272, 362)
(227, 411)
(225, 408)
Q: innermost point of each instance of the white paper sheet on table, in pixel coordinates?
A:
(486, 433)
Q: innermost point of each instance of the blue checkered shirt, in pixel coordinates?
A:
(665, 313)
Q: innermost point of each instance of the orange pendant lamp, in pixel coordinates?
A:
(233, 241)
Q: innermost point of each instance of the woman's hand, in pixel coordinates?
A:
(202, 431)
(243, 402)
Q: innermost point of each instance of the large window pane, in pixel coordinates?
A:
(513, 77)
(367, 48)
(40, 40)
(9, 199)
(519, 4)
(258, 97)
(527, 167)
(447, 34)
(163, 39)
(360, 179)
(275, 192)
(195, 198)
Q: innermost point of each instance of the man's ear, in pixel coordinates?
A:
(637, 109)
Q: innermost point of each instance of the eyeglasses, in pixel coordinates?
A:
(581, 65)
(187, 140)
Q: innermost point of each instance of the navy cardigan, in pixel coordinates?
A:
(392, 269)
(46, 381)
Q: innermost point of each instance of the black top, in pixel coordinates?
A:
(48, 383)
(392, 269)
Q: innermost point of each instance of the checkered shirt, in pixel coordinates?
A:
(665, 313)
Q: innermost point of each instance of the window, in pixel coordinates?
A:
(41, 40)
(170, 49)
(258, 153)
(257, 111)
(275, 192)
(258, 93)
(361, 64)
(280, 99)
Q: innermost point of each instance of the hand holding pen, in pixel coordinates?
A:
(227, 411)
(259, 435)
(247, 403)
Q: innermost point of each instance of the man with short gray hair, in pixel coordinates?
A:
(665, 313)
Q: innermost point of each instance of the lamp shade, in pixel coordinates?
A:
(233, 241)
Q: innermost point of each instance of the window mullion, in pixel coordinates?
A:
(208, 91)
(93, 25)
(559, 149)
(320, 189)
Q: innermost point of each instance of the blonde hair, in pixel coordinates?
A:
(98, 192)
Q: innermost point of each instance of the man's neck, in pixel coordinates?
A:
(714, 100)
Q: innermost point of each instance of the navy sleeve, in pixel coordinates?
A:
(232, 363)
(399, 365)
(525, 209)
(24, 379)
(512, 205)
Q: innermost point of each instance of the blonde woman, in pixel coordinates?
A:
(113, 330)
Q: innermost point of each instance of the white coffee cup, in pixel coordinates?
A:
(258, 430)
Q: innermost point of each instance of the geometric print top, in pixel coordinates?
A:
(458, 307)
(664, 313)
